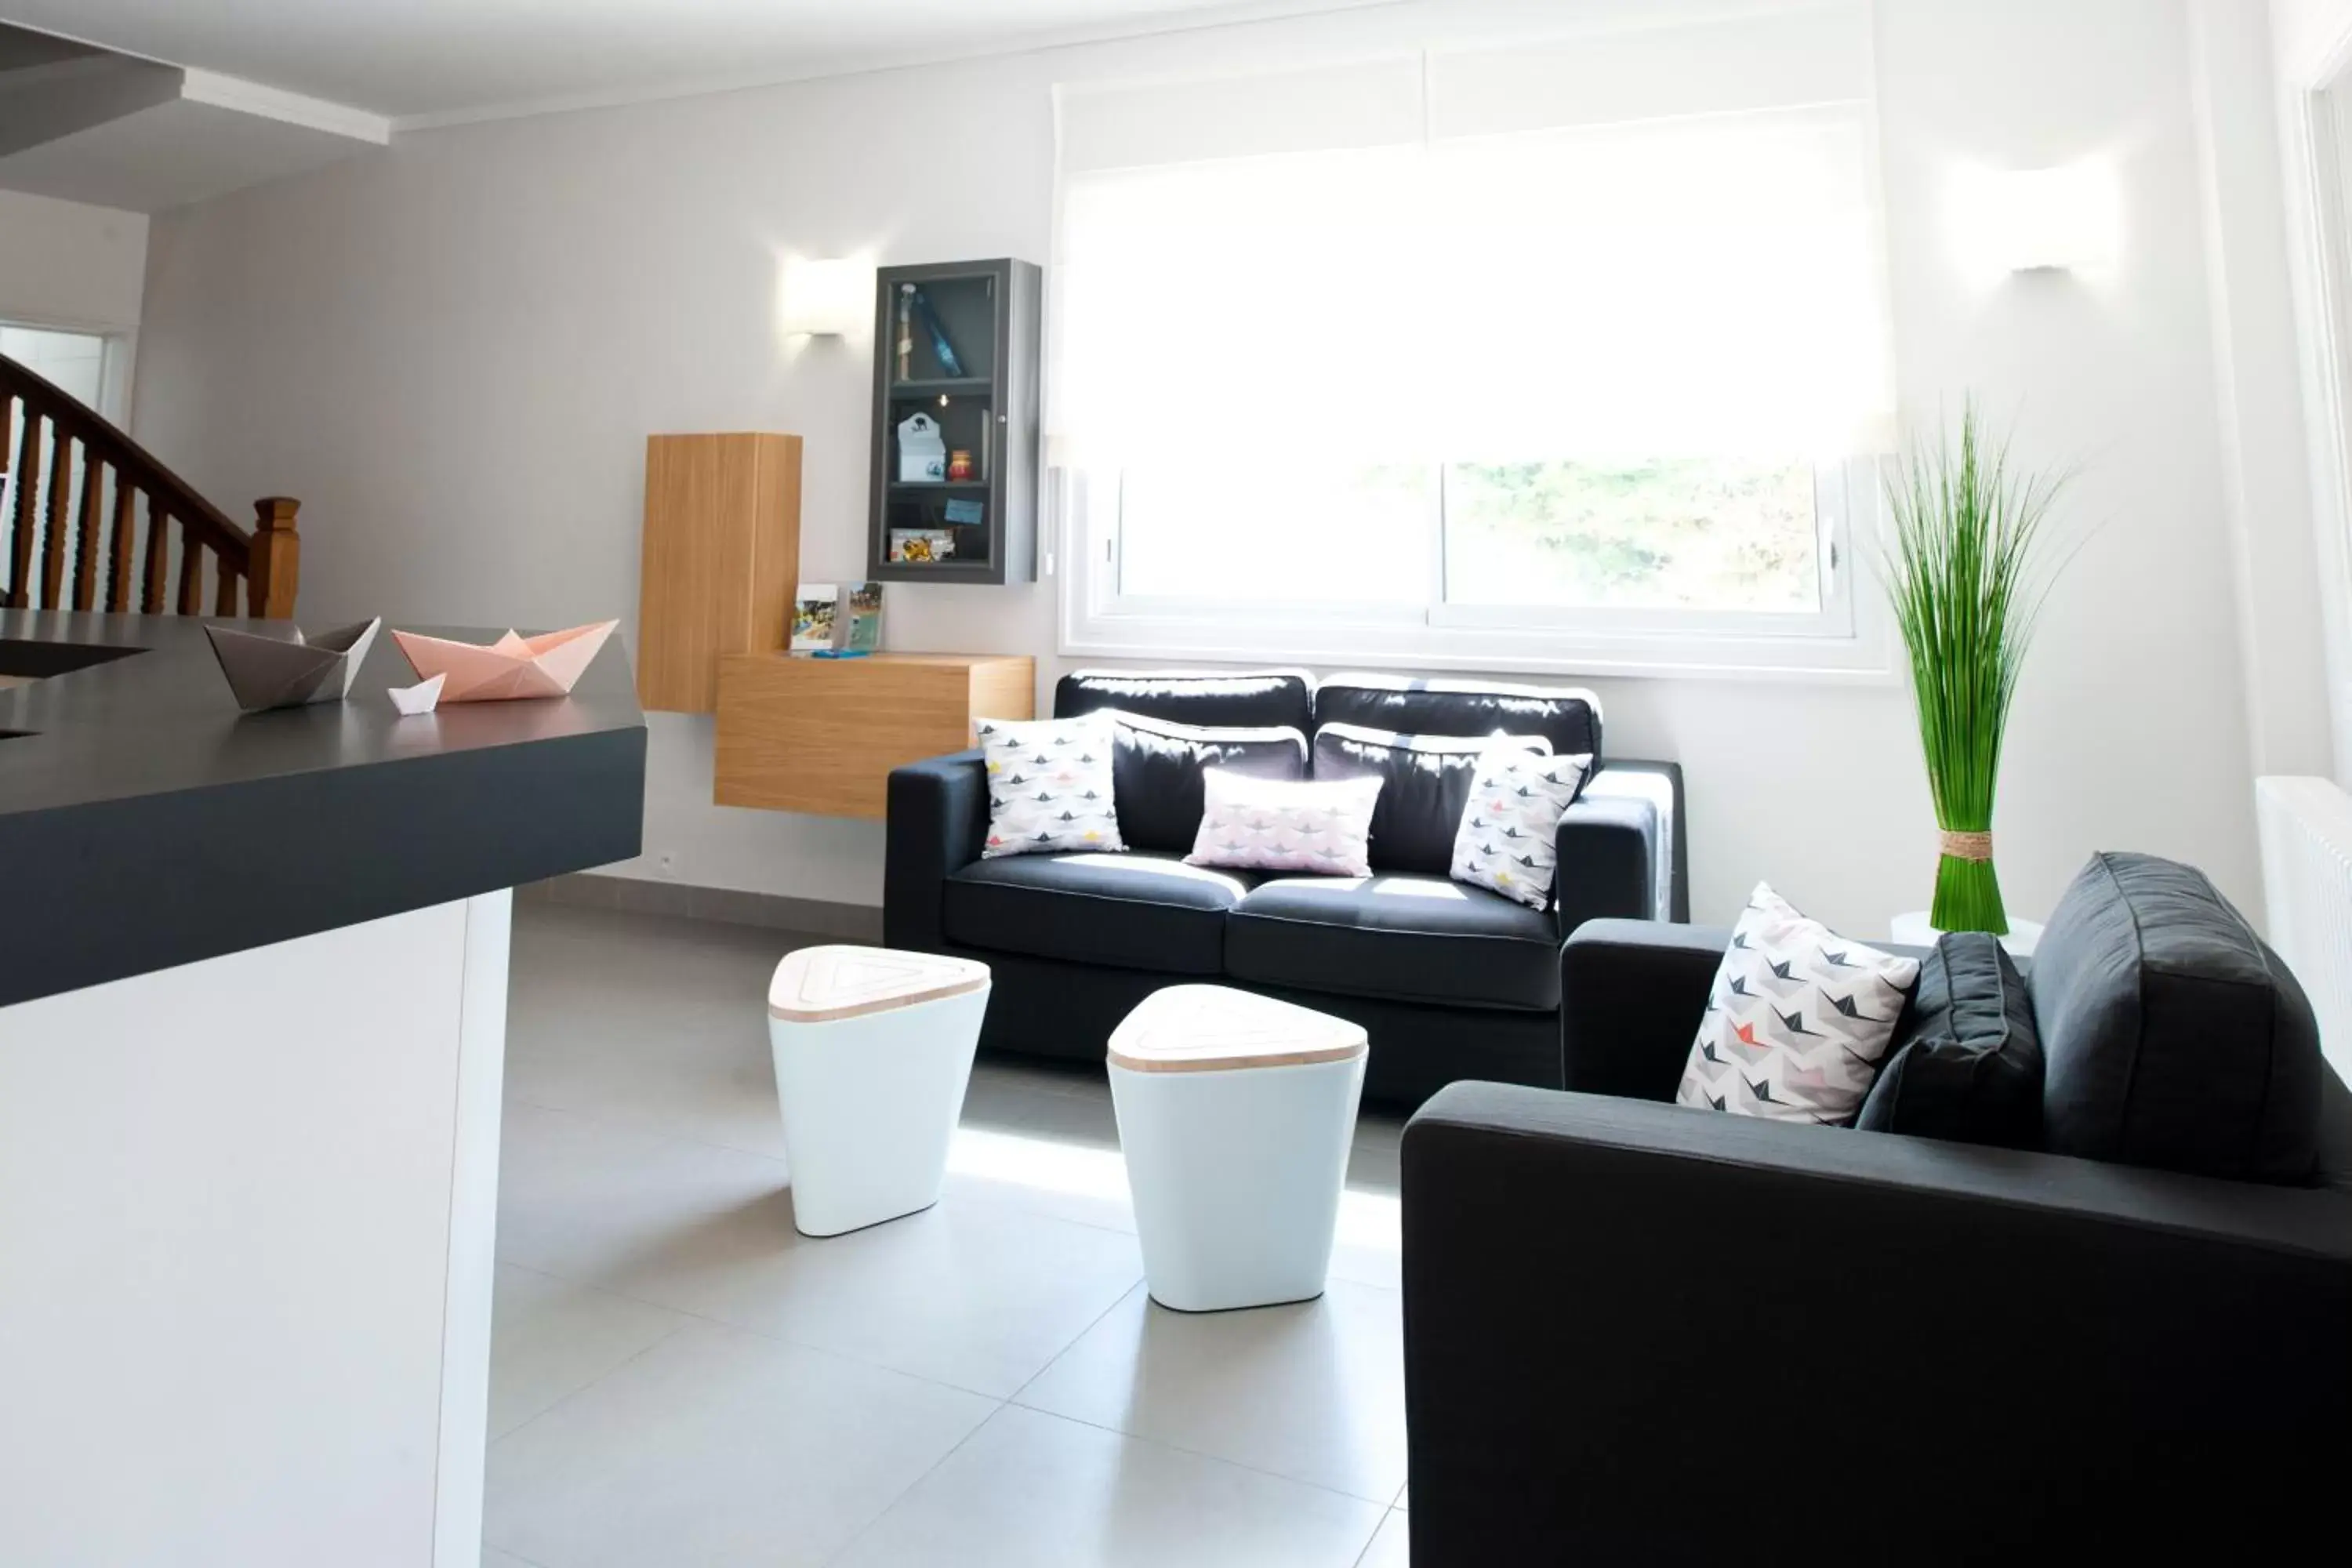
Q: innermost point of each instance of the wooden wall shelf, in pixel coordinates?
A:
(722, 554)
(820, 735)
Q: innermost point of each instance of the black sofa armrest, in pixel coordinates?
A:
(1631, 997)
(937, 813)
(1621, 847)
(1637, 1333)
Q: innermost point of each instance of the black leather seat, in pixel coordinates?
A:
(1133, 910)
(1411, 938)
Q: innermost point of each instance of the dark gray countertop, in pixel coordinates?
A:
(144, 822)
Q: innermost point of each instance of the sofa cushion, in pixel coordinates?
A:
(1799, 1020)
(1569, 717)
(2171, 1036)
(1256, 698)
(1049, 786)
(1508, 840)
(1318, 827)
(1425, 782)
(1967, 1060)
(1136, 911)
(1412, 939)
(1156, 769)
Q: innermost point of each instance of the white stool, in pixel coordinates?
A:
(1235, 1115)
(873, 1051)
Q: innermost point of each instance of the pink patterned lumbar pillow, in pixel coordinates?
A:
(1283, 825)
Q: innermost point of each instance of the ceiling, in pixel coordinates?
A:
(422, 60)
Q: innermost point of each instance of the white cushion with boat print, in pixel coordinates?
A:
(1799, 1021)
(1049, 786)
(1323, 827)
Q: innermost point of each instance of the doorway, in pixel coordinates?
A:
(75, 362)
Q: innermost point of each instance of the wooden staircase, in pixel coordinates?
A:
(72, 534)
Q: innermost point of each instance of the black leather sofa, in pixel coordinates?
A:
(1641, 1333)
(1450, 982)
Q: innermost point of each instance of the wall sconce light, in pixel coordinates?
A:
(2063, 219)
(825, 299)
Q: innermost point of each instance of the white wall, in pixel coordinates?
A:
(453, 350)
(63, 264)
(2308, 31)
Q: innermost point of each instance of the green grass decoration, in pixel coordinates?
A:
(1964, 563)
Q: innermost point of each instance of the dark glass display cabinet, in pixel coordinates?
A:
(955, 423)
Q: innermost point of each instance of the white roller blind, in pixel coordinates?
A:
(1665, 241)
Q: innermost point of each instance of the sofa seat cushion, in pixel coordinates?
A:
(1134, 911)
(1411, 939)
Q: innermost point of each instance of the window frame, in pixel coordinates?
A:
(1846, 640)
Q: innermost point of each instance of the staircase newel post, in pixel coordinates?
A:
(274, 569)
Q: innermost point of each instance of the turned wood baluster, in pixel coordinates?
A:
(159, 548)
(7, 436)
(273, 565)
(20, 551)
(192, 572)
(20, 533)
(53, 533)
(120, 542)
(8, 526)
(85, 583)
(224, 590)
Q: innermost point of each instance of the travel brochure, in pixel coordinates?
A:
(834, 621)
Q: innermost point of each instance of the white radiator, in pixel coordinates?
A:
(2307, 832)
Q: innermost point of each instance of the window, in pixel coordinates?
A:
(1478, 355)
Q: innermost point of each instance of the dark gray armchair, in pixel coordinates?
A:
(1638, 1334)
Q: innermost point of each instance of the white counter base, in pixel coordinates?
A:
(247, 1209)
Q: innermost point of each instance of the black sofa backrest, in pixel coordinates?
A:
(2172, 1035)
(1567, 716)
(1219, 700)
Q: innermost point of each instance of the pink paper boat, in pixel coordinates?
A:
(544, 666)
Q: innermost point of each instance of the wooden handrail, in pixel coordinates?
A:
(267, 560)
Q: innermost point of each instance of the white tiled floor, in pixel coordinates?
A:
(680, 1377)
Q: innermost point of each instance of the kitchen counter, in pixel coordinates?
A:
(145, 822)
(253, 999)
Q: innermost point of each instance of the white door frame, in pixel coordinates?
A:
(2314, 69)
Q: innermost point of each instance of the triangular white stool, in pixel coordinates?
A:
(1235, 1112)
(873, 1051)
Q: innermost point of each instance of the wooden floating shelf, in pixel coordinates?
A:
(820, 735)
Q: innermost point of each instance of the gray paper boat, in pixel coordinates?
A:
(286, 672)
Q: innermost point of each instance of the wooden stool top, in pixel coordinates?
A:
(1214, 1028)
(820, 984)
